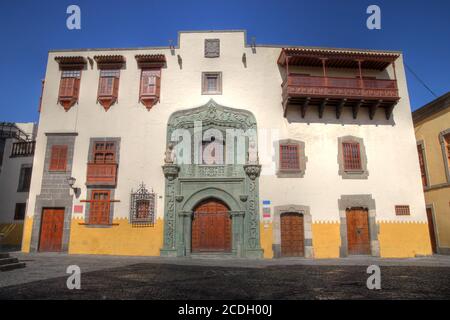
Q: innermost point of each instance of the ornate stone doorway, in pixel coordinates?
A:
(189, 183)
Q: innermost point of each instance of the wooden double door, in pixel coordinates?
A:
(292, 235)
(358, 236)
(211, 227)
(52, 225)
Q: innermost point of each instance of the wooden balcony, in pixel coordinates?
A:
(23, 149)
(101, 174)
(339, 92)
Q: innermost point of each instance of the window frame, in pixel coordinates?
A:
(352, 173)
(352, 163)
(53, 158)
(205, 75)
(445, 146)
(104, 152)
(302, 159)
(421, 152)
(297, 155)
(16, 209)
(74, 77)
(105, 219)
(24, 179)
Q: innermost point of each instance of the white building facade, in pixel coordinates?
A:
(16, 162)
(333, 171)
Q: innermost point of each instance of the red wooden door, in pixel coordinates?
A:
(358, 231)
(431, 230)
(211, 227)
(51, 230)
(292, 235)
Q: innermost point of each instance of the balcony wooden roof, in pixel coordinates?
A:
(110, 61)
(337, 58)
(150, 60)
(71, 62)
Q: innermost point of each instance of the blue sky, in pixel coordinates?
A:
(29, 28)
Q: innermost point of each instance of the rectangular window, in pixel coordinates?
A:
(289, 157)
(99, 207)
(70, 84)
(19, 213)
(212, 83)
(58, 158)
(150, 82)
(104, 152)
(423, 171)
(24, 179)
(109, 83)
(402, 210)
(447, 147)
(352, 156)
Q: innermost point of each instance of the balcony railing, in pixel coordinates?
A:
(339, 87)
(23, 149)
(101, 174)
(307, 90)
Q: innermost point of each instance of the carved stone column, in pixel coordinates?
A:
(185, 229)
(170, 241)
(237, 222)
(252, 240)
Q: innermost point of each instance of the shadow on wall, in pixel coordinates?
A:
(293, 115)
(10, 236)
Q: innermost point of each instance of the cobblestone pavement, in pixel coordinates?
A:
(110, 277)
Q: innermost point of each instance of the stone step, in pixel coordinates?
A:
(12, 266)
(10, 260)
(4, 255)
(213, 256)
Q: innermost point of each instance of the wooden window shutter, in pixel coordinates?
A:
(58, 158)
(420, 152)
(158, 86)
(352, 156)
(289, 157)
(99, 207)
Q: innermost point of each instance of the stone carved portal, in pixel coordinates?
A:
(234, 185)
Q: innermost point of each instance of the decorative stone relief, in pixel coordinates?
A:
(212, 48)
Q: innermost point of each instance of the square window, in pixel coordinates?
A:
(212, 83)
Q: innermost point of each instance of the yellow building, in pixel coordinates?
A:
(432, 127)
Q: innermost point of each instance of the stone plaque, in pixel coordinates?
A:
(212, 48)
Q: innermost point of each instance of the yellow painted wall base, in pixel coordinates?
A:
(12, 233)
(326, 240)
(397, 240)
(404, 240)
(266, 234)
(120, 239)
(26, 238)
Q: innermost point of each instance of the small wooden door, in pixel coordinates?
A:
(431, 230)
(211, 228)
(51, 230)
(358, 237)
(292, 235)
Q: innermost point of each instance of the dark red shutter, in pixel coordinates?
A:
(422, 165)
(352, 156)
(289, 157)
(58, 159)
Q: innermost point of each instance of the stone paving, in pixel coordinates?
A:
(119, 277)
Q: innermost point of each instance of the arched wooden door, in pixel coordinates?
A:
(292, 235)
(211, 227)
